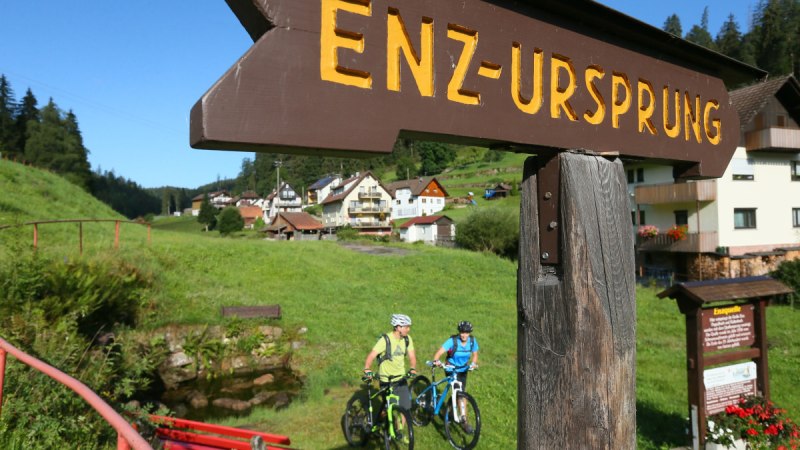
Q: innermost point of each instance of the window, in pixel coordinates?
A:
(639, 175)
(641, 217)
(630, 176)
(796, 217)
(682, 217)
(742, 169)
(781, 121)
(795, 170)
(744, 218)
(398, 202)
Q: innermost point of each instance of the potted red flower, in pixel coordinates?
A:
(678, 232)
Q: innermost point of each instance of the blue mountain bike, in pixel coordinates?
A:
(462, 418)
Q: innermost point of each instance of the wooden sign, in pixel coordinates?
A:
(347, 77)
(728, 327)
(724, 385)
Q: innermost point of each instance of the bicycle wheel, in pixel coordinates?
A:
(356, 420)
(464, 434)
(403, 431)
(421, 401)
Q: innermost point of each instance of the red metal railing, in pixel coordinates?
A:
(80, 223)
(182, 434)
(127, 437)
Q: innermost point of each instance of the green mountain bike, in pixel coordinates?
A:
(391, 423)
(462, 418)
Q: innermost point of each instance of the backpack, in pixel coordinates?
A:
(387, 356)
(453, 349)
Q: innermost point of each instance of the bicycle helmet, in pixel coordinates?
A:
(464, 327)
(400, 320)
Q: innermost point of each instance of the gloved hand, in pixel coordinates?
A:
(473, 366)
(437, 363)
(411, 373)
(367, 376)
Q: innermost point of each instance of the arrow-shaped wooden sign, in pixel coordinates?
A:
(347, 77)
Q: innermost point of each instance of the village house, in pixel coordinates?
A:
(501, 190)
(294, 226)
(247, 198)
(284, 199)
(321, 188)
(742, 224)
(217, 199)
(417, 197)
(364, 205)
(434, 230)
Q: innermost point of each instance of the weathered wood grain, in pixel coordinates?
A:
(577, 320)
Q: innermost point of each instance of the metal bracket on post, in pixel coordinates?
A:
(548, 184)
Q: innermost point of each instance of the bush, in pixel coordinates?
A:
(230, 221)
(788, 272)
(492, 230)
(347, 233)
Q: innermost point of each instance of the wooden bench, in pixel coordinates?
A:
(247, 312)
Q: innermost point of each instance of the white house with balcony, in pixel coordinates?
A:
(285, 199)
(362, 202)
(742, 224)
(417, 197)
(321, 188)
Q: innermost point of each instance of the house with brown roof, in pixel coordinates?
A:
(247, 198)
(218, 199)
(285, 199)
(299, 226)
(432, 230)
(417, 197)
(362, 202)
(321, 189)
(743, 224)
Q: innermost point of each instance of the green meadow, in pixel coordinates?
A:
(338, 300)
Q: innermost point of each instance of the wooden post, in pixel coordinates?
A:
(577, 320)
(116, 234)
(35, 235)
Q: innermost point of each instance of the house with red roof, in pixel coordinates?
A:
(250, 214)
(434, 230)
(417, 197)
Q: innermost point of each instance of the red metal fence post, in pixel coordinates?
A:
(2, 376)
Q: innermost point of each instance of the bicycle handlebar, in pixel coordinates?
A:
(450, 367)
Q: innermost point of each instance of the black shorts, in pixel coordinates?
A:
(462, 377)
(401, 390)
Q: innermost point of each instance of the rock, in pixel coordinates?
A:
(178, 359)
(236, 364)
(261, 397)
(281, 400)
(302, 330)
(297, 344)
(197, 400)
(270, 331)
(264, 379)
(177, 368)
(231, 403)
(237, 387)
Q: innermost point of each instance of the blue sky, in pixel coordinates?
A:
(131, 71)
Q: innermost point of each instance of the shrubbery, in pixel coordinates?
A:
(492, 230)
(55, 311)
(230, 220)
(789, 273)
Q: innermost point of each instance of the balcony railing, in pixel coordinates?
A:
(370, 224)
(773, 139)
(368, 210)
(369, 194)
(657, 194)
(706, 242)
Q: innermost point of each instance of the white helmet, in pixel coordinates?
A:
(401, 320)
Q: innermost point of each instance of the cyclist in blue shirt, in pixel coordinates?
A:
(460, 348)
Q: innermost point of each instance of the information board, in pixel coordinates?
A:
(724, 385)
(728, 327)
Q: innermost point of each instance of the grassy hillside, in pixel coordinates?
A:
(344, 298)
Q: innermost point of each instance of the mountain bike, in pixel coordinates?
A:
(391, 422)
(462, 418)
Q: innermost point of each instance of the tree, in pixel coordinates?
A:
(729, 40)
(405, 168)
(230, 220)
(699, 34)
(27, 112)
(775, 34)
(673, 25)
(490, 230)
(434, 157)
(207, 214)
(9, 135)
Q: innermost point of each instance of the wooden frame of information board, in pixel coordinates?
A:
(725, 323)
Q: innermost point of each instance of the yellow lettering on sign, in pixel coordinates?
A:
(691, 116)
(728, 310)
(532, 105)
(454, 91)
(715, 136)
(333, 38)
(619, 106)
(397, 41)
(646, 111)
(672, 130)
(590, 74)
(559, 97)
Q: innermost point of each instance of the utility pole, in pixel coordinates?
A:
(276, 201)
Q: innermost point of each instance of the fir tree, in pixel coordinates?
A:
(775, 34)
(729, 39)
(27, 112)
(8, 131)
(673, 25)
(699, 33)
